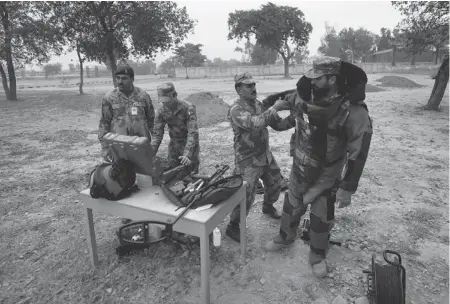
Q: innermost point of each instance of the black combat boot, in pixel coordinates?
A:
(271, 211)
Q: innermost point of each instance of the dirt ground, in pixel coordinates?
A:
(49, 146)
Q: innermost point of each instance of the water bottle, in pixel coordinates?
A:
(216, 237)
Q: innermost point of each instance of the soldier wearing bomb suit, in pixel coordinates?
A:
(333, 131)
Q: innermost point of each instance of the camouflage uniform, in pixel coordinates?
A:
(253, 158)
(126, 115)
(320, 149)
(183, 131)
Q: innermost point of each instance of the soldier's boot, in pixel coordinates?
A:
(233, 231)
(318, 265)
(320, 270)
(277, 244)
(271, 211)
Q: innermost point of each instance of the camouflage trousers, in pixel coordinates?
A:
(271, 177)
(321, 215)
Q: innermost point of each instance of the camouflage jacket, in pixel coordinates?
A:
(251, 137)
(183, 129)
(133, 115)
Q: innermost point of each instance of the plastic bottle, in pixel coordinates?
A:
(216, 237)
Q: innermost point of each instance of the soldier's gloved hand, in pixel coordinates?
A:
(185, 160)
(343, 198)
(279, 105)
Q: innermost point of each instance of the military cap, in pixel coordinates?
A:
(125, 69)
(165, 91)
(324, 66)
(245, 78)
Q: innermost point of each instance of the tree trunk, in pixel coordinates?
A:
(111, 55)
(394, 51)
(187, 75)
(8, 54)
(286, 67)
(436, 56)
(440, 84)
(81, 69)
(4, 81)
(413, 59)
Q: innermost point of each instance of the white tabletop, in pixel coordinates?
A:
(153, 199)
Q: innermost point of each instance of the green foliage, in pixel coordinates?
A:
(425, 23)
(52, 69)
(118, 29)
(356, 43)
(190, 55)
(28, 34)
(280, 28)
(330, 44)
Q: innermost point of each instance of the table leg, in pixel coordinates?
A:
(89, 222)
(243, 227)
(204, 261)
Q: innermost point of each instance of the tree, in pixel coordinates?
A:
(123, 28)
(301, 55)
(262, 56)
(280, 28)
(190, 55)
(246, 52)
(331, 45)
(383, 43)
(425, 23)
(28, 35)
(52, 69)
(427, 20)
(440, 83)
(356, 43)
(72, 67)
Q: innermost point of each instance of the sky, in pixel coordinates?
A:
(211, 29)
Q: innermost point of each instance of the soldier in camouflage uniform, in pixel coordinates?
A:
(333, 131)
(181, 117)
(253, 158)
(126, 110)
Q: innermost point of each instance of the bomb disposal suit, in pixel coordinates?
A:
(332, 129)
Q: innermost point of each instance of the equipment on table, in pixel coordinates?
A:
(386, 284)
(212, 190)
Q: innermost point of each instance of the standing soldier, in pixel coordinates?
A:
(126, 110)
(253, 158)
(335, 131)
(181, 117)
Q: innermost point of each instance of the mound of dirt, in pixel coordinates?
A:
(371, 88)
(210, 108)
(397, 82)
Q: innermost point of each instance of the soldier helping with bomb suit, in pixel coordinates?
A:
(337, 134)
(253, 159)
(181, 117)
(126, 110)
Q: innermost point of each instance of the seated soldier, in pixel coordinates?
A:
(181, 118)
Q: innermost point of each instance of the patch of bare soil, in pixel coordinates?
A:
(49, 149)
(211, 109)
(397, 82)
(371, 88)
